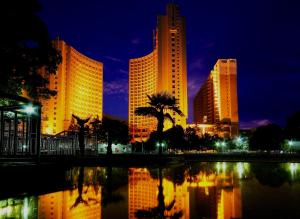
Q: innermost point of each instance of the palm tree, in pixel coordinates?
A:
(160, 103)
(81, 129)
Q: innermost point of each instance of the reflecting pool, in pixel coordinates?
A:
(220, 190)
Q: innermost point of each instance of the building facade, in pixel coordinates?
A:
(216, 102)
(79, 85)
(163, 70)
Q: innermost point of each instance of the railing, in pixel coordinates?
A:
(67, 144)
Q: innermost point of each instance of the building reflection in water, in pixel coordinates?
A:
(213, 194)
(200, 190)
(83, 201)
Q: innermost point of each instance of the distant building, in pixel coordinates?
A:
(79, 85)
(202, 129)
(164, 69)
(216, 102)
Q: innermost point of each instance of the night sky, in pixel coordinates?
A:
(263, 35)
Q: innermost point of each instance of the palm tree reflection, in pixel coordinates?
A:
(80, 185)
(161, 210)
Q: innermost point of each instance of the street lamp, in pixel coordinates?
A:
(29, 109)
(290, 143)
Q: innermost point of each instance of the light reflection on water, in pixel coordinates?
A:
(199, 190)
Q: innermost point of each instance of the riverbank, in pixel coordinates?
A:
(128, 160)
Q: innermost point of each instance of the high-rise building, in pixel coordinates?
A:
(79, 85)
(163, 70)
(216, 102)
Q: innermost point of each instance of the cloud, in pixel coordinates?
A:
(117, 87)
(136, 41)
(197, 65)
(254, 123)
(194, 84)
(114, 59)
(125, 72)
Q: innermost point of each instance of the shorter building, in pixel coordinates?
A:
(79, 85)
(202, 129)
(216, 101)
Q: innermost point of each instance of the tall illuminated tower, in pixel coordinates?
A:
(163, 70)
(79, 85)
(216, 102)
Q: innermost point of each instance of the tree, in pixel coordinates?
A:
(268, 137)
(111, 130)
(160, 103)
(26, 51)
(81, 131)
(292, 129)
(192, 138)
(175, 137)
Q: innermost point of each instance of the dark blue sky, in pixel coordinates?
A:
(263, 35)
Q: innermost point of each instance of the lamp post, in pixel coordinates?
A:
(160, 147)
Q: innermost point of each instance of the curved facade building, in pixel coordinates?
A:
(167, 74)
(142, 81)
(79, 86)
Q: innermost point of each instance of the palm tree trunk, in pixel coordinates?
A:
(160, 196)
(160, 128)
(109, 146)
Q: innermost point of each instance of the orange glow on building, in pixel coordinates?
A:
(163, 70)
(218, 191)
(58, 205)
(216, 101)
(79, 86)
(143, 191)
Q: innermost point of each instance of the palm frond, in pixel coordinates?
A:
(146, 111)
(168, 116)
(176, 110)
(162, 99)
(171, 205)
(177, 215)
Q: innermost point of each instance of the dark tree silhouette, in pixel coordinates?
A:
(159, 104)
(175, 137)
(81, 131)
(111, 130)
(292, 129)
(268, 137)
(273, 175)
(26, 51)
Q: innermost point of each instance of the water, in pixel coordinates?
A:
(197, 190)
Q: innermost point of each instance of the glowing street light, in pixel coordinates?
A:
(29, 109)
(290, 143)
(239, 140)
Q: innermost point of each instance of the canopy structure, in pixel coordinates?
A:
(20, 125)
